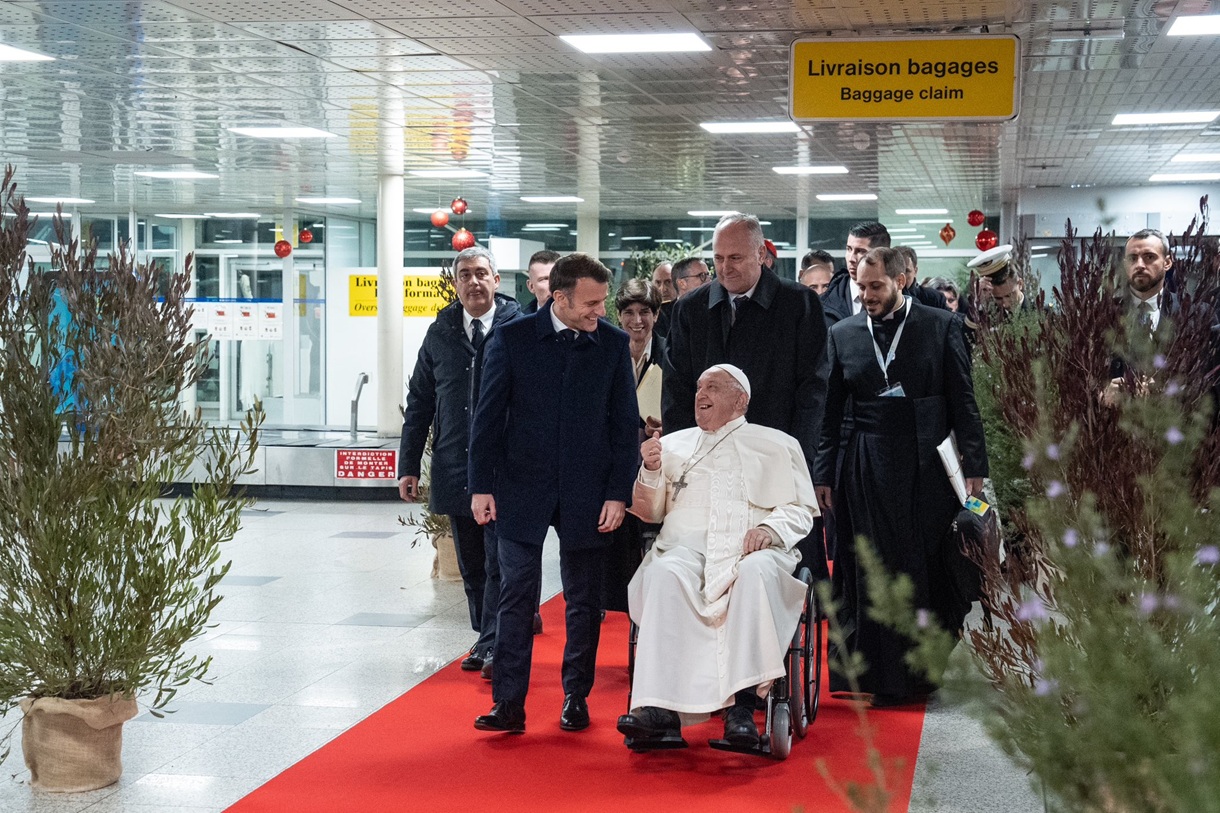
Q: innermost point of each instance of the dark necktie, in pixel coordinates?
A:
(568, 334)
(738, 303)
(476, 333)
(1145, 314)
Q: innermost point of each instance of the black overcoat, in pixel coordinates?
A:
(439, 397)
(556, 430)
(779, 340)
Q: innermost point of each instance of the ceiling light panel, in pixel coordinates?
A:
(730, 127)
(1179, 177)
(1196, 26)
(636, 43)
(1181, 117)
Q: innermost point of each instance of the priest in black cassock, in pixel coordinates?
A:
(905, 369)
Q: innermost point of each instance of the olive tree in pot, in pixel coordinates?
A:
(103, 579)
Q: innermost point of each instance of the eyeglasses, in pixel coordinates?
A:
(704, 277)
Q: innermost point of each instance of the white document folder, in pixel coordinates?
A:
(952, 461)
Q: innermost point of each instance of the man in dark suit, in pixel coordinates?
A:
(538, 276)
(554, 443)
(1149, 302)
(439, 398)
(842, 299)
(771, 328)
(905, 369)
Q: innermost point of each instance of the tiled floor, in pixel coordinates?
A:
(329, 614)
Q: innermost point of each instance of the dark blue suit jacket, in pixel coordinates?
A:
(555, 429)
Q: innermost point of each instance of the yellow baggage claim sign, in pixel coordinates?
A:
(956, 78)
(421, 295)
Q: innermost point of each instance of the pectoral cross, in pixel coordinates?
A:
(681, 484)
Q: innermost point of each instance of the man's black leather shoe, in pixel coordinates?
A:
(575, 715)
(487, 671)
(504, 716)
(650, 722)
(739, 728)
(473, 662)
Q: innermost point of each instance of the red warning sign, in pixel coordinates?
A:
(366, 464)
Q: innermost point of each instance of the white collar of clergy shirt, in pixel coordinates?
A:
(728, 427)
(486, 319)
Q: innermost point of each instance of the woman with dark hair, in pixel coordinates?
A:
(638, 303)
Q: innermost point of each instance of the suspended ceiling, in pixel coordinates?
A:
(487, 84)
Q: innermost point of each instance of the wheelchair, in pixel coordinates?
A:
(792, 704)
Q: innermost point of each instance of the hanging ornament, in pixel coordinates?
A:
(947, 233)
(986, 240)
(306, 236)
(976, 218)
(462, 240)
(282, 248)
(440, 218)
(458, 206)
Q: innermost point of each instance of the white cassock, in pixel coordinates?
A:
(712, 621)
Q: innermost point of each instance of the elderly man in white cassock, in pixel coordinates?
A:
(714, 598)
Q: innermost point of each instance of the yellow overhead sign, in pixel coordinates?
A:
(937, 78)
(421, 295)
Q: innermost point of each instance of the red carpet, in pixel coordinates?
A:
(422, 753)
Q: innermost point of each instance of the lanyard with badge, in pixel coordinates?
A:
(895, 391)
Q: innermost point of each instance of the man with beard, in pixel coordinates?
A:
(905, 369)
(842, 299)
(1150, 304)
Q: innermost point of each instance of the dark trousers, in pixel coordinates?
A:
(468, 538)
(491, 591)
(520, 582)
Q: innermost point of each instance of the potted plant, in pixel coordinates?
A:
(104, 578)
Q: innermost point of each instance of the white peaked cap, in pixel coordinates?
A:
(991, 261)
(736, 372)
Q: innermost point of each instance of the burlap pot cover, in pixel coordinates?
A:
(445, 563)
(74, 745)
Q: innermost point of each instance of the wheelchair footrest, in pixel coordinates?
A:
(763, 749)
(644, 744)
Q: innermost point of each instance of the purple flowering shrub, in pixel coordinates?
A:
(1105, 641)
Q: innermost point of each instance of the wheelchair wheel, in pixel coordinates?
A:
(812, 660)
(796, 680)
(799, 704)
(781, 731)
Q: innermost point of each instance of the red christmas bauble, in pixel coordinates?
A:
(306, 236)
(976, 218)
(986, 240)
(462, 239)
(440, 218)
(282, 248)
(458, 206)
(947, 233)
